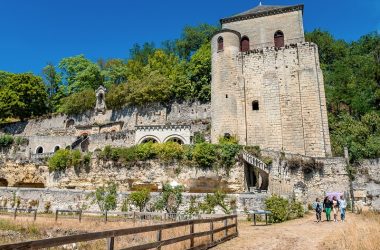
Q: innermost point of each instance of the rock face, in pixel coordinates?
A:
(283, 179)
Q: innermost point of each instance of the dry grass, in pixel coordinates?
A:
(24, 229)
(363, 233)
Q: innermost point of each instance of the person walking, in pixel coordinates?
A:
(327, 205)
(342, 207)
(335, 207)
(318, 207)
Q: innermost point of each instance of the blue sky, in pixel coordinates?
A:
(34, 32)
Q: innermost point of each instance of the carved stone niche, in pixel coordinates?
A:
(100, 107)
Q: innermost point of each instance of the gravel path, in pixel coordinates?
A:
(302, 233)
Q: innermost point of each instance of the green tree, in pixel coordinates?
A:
(105, 197)
(142, 53)
(140, 198)
(78, 103)
(116, 97)
(23, 96)
(53, 81)
(171, 198)
(115, 71)
(79, 73)
(193, 38)
(200, 73)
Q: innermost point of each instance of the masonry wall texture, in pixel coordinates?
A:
(286, 83)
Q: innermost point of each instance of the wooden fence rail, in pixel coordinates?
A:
(15, 210)
(110, 235)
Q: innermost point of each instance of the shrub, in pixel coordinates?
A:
(211, 201)
(65, 158)
(105, 197)
(145, 151)
(199, 137)
(253, 150)
(169, 151)
(78, 103)
(171, 198)
(140, 198)
(21, 140)
(227, 153)
(282, 209)
(204, 154)
(6, 141)
(60, 160)
(279, 208)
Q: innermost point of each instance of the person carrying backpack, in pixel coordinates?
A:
(318, 207)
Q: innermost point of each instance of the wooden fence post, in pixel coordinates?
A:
(15, 213)
(111, 243)
(35, 215)
(191, 232)
(225, 231)
(56, 215)
(212, 231)
(80, 216)
(236, 225)
(105, 216)
(159, 238)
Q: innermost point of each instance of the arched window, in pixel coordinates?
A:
(176, 140)
(255, 105)
(279, 39)
(244, 44)
(220, 43)
(40, 150)
(149, 139)
(56, 148)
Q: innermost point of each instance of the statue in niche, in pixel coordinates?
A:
(100, 107)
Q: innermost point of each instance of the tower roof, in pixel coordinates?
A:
(260, 11)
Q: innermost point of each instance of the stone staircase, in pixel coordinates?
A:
(79, 141)
(252, 160)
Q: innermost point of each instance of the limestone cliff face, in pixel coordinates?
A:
(151, 174)
(23, 174)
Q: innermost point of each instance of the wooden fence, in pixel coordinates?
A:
(112, 234)
(19, 210)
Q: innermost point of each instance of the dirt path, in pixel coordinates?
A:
(297, 234)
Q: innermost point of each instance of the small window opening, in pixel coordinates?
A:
(40, 150)
(255, 105)
(56, 148)
(220, 44)
(226, 96)
(227, 136)
(244, 46)
(279, 39)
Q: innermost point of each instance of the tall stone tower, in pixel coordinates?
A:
(267, 86)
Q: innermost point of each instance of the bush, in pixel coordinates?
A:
(65, 158)
(105, 197)
(282, 209)
(6, 141)
(211, 201)
(171, 199)
(145, 151)
(60, 160)
(140, 198)
(204, 154)
(169, 151)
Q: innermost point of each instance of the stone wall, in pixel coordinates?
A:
(181, 114)
(286, 83)
(79, 199)
(260, 30)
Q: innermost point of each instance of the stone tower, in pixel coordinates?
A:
(267, 86)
